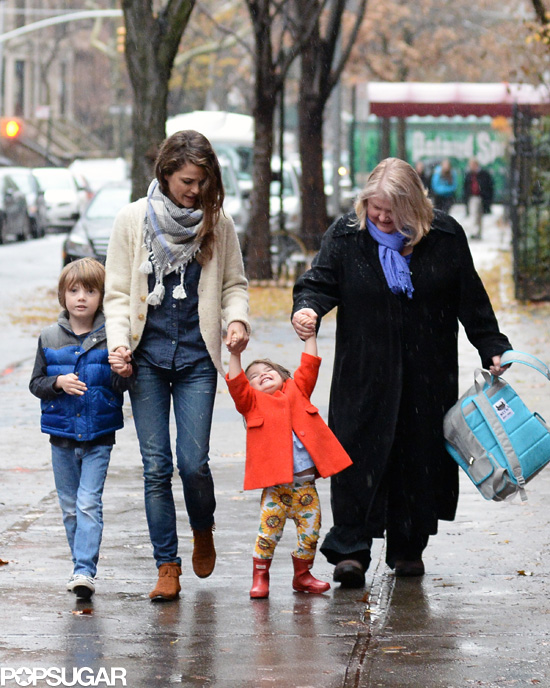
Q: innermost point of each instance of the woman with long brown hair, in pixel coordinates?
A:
(175, 277)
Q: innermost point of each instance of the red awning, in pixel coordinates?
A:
(387, 99)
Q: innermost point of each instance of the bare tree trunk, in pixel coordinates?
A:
(314, 206)
(266, 87)
(259, 232)
(272, 59)
(310, 141)
(149, 113)
(152, 41)
(322, 62)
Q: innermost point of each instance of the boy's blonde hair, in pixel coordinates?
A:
(283, 372)
(397, 182)
(88, 272)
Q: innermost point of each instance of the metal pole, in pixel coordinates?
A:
(63, 19)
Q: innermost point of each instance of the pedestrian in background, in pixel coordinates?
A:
(288, 445)
(444, 184)
(421, 171)
(81, 410)
(174, 273)
(478, 195)
(402, 278)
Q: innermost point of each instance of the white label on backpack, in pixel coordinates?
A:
(503, 411)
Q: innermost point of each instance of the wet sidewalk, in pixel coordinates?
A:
(479, 617)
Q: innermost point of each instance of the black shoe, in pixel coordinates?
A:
(406, 569)
(349, 573)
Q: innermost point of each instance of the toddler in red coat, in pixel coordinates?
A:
(288, 445)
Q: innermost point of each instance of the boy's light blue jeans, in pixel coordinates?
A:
(193, 390)
(79, 479)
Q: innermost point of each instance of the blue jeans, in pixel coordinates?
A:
(79, 479)
(193, 390)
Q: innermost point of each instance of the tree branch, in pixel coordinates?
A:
(285, 58)
(346, 50)
(172, 21)
(237, 35)
(540, 11)
(211, 47)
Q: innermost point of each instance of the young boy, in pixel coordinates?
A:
(288, 445)
(81, 403)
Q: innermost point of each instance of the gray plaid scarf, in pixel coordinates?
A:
(170, 235)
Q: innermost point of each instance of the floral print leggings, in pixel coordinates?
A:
(298, 501)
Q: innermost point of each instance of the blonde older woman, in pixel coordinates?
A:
(402, 278)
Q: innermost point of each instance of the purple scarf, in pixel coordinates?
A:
(394, 265)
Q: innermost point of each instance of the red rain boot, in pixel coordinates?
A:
(303, 581)
(260, 578)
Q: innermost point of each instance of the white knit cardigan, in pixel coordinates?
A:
(223, 295)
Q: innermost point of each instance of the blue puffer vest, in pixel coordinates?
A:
(99, 410)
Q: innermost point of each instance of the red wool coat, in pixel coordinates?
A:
(270, 419)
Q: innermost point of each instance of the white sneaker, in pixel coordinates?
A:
(82, 586)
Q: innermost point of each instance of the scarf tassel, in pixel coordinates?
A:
(146, 267)
(179, 291)
(156, 296)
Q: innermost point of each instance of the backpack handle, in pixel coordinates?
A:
(513, 356)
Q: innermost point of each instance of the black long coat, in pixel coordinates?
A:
(395, 375)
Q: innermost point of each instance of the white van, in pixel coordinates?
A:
(231, 135)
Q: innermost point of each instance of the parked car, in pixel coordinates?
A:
(241, 159)
(85, 193)
(14, 220)
(90, 235)
(236, 202)
(64, 202)
(36, 203)
(99, 171)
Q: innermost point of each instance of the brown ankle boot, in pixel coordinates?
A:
(204, 554)
(168, 585)
(303, 580)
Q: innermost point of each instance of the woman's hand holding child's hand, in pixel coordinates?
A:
(70, 384)
(237, 337)
(120, 361)
(304, 322)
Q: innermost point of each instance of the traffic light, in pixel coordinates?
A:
(121, 39)
(10, 128)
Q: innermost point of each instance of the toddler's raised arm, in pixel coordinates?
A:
(234, 365)
(310, 345)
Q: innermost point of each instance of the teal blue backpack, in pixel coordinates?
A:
(494, 437)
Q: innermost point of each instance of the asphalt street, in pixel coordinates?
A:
(479, 617)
